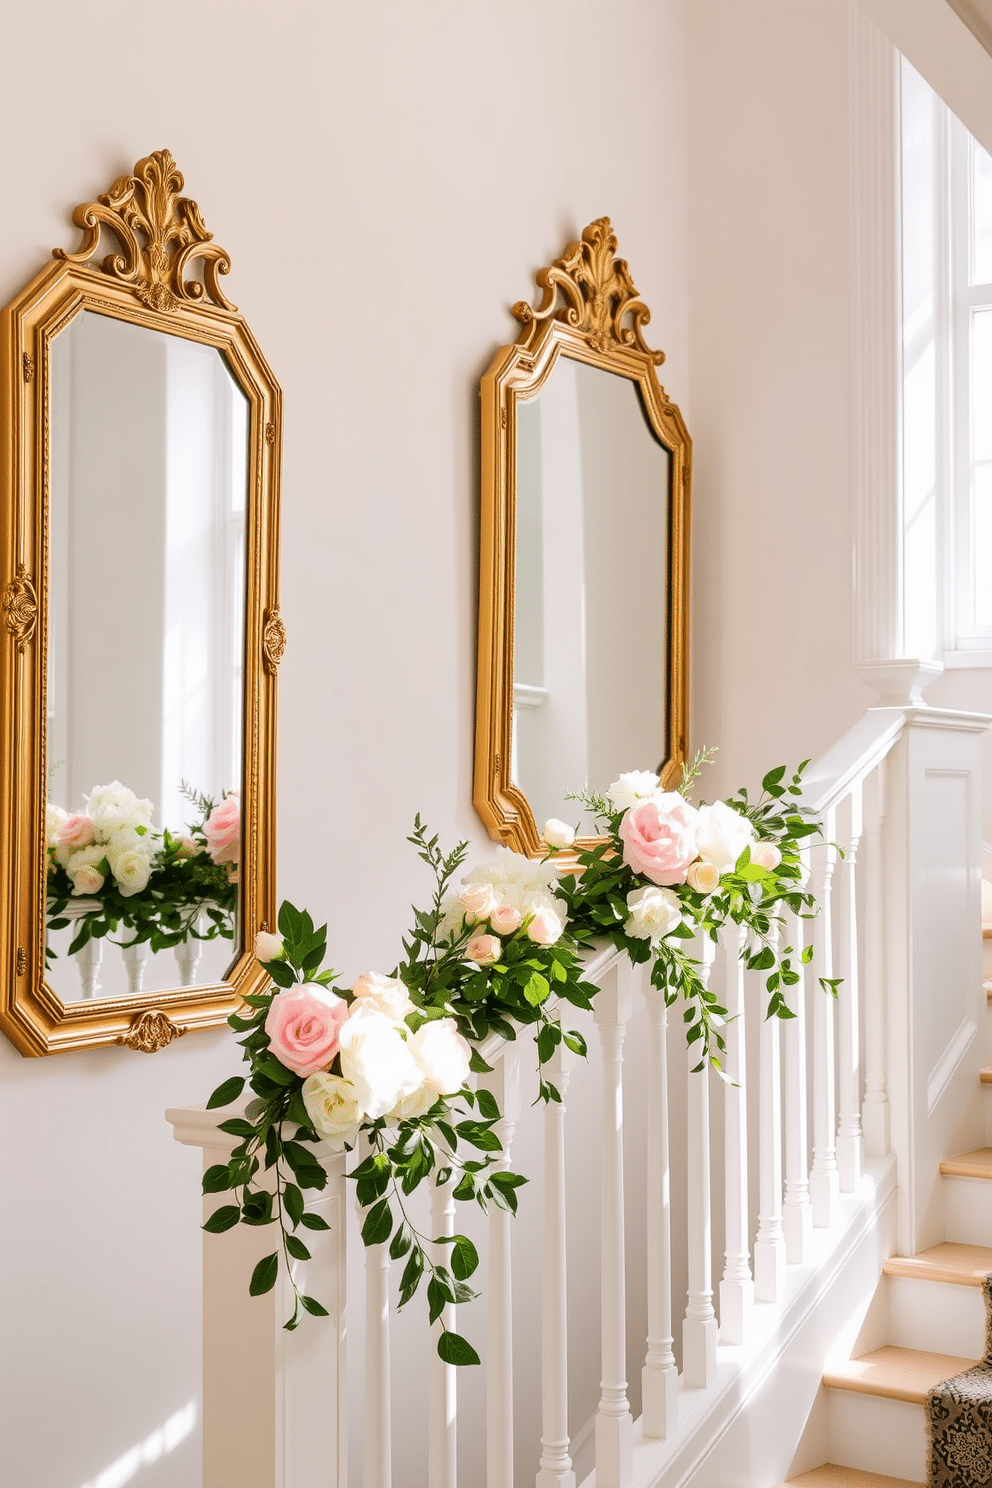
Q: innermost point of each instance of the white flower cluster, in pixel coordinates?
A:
(511, 893)
(113, 836)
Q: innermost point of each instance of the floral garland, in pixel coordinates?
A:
(152, 883)
(389, 1060)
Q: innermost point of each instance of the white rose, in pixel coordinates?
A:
(766, 855)
(558, 833)
(703, 877)
(545, 926)
(443, 1055)
(87, 881)
(87, 869)
(478, 900)
(654, 913)
(269, 947)
(376, 1060)
(332, 1105)
(127, 840)
(130, 857)
(385, 994)
(54, 817)
(634, 786)
(114, 806)
(722, 834)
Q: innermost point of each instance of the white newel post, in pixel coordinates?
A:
(659, 1377)
(263, 1387)
(504, 1084)
(556, 1463)
(736, 1286)
(797, 1212)
(769, 1247)
(849, 1144)
(377, 1467)
(699, 1329)
(875, 1114)
(442, 1438)
(614, 1422)
(824, 1182)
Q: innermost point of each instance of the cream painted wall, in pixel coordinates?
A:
(386, 177)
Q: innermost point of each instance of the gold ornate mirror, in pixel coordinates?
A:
(139, 633)
(584, 570)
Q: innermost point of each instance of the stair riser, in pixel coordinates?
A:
(877, 1434)
(967, 1210)
(936, 1316)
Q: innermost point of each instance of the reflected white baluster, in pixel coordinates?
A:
(377, 1441)
(699, 1330)
(614, 1422)
(876, 1108)
(659, 1377)
(737, 1286)
(849, 1144)
(556, 1464)
(824, 1183)
(797, 1212)
(769, 1247)
(188, 953)
(442, 1439)
(135, 958)
(504, 1083)
(87, 960)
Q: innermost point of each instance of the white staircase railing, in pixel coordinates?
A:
(898, 795)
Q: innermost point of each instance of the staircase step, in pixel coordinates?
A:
(960, 1265)
(832, 1476)
(977, 1164)
(896, 1373)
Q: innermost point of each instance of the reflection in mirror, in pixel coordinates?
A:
(591, 588)
(149, 452)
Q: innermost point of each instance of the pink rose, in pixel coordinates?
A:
(545, 927)
(505, 919)
(222, 830)
(659, 838)
(477, 900)
(484, 950)
(766, 855)
(76, 831)
(303, 1024)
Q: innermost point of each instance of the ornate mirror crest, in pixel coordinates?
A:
(153, 294)
(589, 314)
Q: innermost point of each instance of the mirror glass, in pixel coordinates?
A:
(591, 592)
(148, 481)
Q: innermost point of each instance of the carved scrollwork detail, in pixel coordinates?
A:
(27, 364)
(151, 1031)
(273, 640)
(22, 960)
(270, 433)
(598, 297)
(148, 205)
(20, 607)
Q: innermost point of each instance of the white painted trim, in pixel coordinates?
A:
(946, 1066)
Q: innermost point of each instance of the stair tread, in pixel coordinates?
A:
(897, 1373)
(962, 1265)
(831, 1476)
(977, 1164)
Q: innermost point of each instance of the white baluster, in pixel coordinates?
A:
(442, 1438)
(824, 1183)
(504, 1083)
(87, 960)
(797, 1212)
(876, 1107)
(769, 1247)
(699, 1330)
(737, 1286)
(659, 1377)
(556, 1464)
(188, 953)
(377, 1441)
(135, 955)
(849, 1144)
(614, 1422)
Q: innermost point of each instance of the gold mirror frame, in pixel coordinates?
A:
(589, 311)
(161, 237)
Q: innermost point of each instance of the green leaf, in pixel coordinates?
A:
(437, 1297)
(222, 1219)
(807, 955)
(378, 1224)
(313, 1307)
(575, 1042)
(296, 1248)
(226, 1093)
(464, 1257)
(454, 1349)
(537, 989)
(314, 1222)
(401, 1242)
(281, 973)
(477, 1064)
(293, 1200)
(217, 1178)
(412, 1272)
(263, 1278)
(488, 1105)
(237, 1127)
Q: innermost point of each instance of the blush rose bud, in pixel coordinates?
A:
(268, 947)
(484, 950)
(703, 877)
(505, 919)
(766, 855)
(478, 900)
(558, 833)
(545, 927)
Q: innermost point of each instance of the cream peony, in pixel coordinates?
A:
(377, 1061)
(114, 806)
(443, 1055)
(332, 1106)
(634, 786)
(558, 833)
(54, 817)
(654, 913)
(385, 994)
(722, 834)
